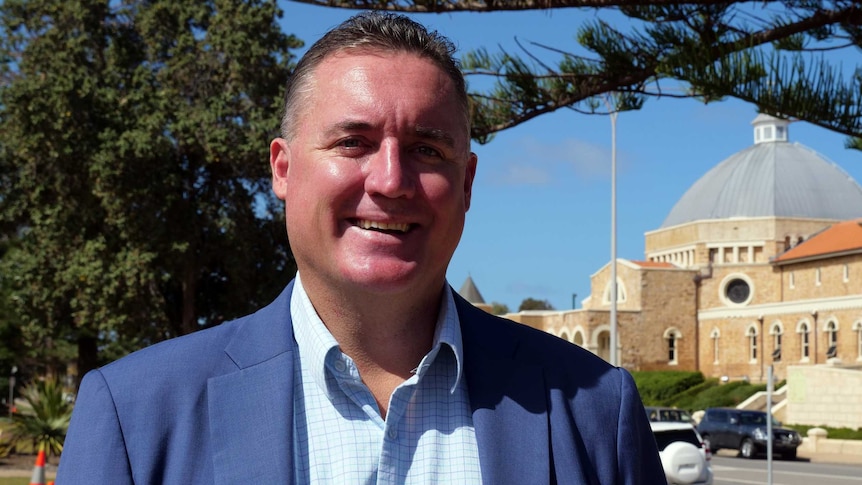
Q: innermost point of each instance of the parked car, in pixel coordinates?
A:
(674, 415)
(684, 456)
(744, 430)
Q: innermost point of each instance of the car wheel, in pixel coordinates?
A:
(789, 454)
(708, 443)
(746, 449)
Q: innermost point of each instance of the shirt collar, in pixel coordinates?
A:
(317, 346)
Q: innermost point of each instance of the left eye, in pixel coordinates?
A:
(428, 151)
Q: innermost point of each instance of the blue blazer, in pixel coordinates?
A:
(216, 407)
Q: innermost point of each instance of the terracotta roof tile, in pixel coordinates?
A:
(838, 238)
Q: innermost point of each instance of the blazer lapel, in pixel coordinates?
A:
(251, 410)
(508, 398)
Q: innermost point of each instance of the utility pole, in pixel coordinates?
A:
(769, 385)
(612, 111)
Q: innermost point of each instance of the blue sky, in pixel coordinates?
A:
(539, 224)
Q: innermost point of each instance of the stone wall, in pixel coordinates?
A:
(825, 395)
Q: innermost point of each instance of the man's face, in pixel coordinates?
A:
(377, 177)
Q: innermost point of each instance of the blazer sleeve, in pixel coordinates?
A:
(94, 451)
(637, 453)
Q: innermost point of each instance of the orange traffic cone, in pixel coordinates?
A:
(38, 477)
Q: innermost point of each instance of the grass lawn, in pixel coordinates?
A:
(14, 480)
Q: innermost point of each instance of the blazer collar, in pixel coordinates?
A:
(509, 401)
(251, 410)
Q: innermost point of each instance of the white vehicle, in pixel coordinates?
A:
(684, 456)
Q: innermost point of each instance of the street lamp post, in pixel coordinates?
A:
(613, 316)
(769, 446)
(12, 389)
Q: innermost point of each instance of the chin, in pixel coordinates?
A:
(387, 278)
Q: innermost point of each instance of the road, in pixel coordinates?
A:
(736, 471)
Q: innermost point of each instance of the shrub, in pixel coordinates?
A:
(42, 422)
(832, 433)
(658, 387)
(688, 399)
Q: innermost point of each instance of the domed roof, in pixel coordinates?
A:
(772, 178)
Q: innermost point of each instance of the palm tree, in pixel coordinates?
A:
(42, 421)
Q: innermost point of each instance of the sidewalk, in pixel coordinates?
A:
(5, 471)
(22, 466)
(802, 455)
(844, 459)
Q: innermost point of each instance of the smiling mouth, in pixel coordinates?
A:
(388, 227)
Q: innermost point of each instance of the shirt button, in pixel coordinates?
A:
(340, 366)
(392, 433)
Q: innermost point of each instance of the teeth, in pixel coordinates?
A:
(383, 226)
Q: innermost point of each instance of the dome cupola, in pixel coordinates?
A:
(769, 129)
(772, 178)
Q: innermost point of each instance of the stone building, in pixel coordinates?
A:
(758, 263)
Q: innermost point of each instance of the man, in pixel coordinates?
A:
(368, 368)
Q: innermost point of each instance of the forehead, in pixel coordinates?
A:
(381, 68)
(392, 89)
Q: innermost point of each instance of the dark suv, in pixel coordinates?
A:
(745, 431)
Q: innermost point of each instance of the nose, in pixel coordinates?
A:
(388, 173)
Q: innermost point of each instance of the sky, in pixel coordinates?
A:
(540, 219)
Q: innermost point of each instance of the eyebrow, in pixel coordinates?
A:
(347, 126)
(436, 135)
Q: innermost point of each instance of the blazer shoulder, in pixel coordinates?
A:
(190, 354)
(227, 347)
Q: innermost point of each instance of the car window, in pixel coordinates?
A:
(675, 415)
(755, 419)
(664, 438)
(719, 416)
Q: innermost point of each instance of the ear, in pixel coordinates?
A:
(279, 163)
(468, 179)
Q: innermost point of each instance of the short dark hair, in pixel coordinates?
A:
(381, 31)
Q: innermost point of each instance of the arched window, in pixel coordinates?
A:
(858, 328)
(621, 293)
(804, 337)
(776, 331)
(751, 335)
(579, 338)
(672, 336)
(714, 335)
(831, 331)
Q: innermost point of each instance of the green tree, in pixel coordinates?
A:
(134, 143)
(767, 53)
(499, 308)
(533, 304)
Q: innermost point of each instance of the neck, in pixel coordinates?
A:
(380, 332)
(386, 335)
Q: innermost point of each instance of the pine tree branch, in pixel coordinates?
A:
(673, 64)
(448, 6)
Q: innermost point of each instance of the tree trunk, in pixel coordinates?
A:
(189, 320)
(88, 357)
